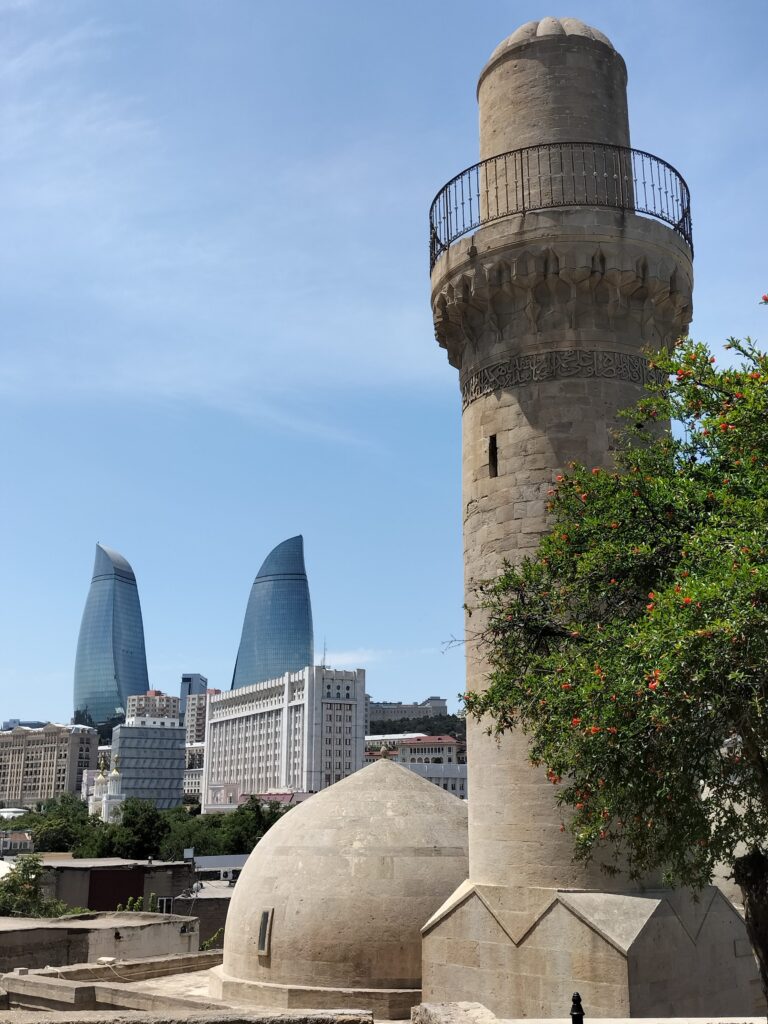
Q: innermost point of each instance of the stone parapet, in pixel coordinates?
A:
(386, 1004)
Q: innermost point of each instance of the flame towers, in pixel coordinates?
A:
(277, 631)
(111, 662)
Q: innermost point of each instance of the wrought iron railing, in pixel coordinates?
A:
(558, 174)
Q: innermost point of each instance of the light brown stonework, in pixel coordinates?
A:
(547, 316)
(347, 879)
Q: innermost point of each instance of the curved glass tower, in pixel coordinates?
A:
(111, 662)
(277, 631)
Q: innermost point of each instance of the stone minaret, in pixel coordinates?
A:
(555, 262)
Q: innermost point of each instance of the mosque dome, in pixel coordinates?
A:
(329, 908)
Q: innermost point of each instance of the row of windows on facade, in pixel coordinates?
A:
(437, 750)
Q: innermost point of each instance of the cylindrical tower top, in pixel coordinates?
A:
(554, 80)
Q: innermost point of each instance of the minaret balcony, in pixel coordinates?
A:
(559, 175)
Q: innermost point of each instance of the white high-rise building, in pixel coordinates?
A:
(299, 733)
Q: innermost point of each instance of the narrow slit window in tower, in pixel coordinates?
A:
(493, 456)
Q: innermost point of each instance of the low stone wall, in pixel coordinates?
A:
(476, 1013)
(52, 942)
(228, 1016)
(135, 970)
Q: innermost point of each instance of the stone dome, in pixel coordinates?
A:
(545, 29)
(329, 908)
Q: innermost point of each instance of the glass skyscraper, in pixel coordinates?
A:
(277, 631)
(111, 662)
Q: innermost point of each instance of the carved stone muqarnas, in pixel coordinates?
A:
(520, 295)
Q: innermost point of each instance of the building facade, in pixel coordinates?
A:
(14, 843)
(277, 632)
(150, 753)
(391, 711)
(195, 716)
(37, 764)
(193, 769)
(191, 682)
(152, 704)
(440, 760)
(111, 662)
(450, 777)
(300, 733)
(431, 750)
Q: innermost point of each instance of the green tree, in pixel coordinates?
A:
(22, 893)
(66, 805)
(140, 831)
(439, 725)
(203, 832)
(56, 835)
(60, 824)
(243, 828)
(633, 648)
(96, 840)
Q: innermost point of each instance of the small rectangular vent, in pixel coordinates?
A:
(493, 456)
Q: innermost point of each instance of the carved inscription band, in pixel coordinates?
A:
(561, 365)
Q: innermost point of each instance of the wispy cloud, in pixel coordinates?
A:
(11, 6)
(176, 283)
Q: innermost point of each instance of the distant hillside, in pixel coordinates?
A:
(442, 725)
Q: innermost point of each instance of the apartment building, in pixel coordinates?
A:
(37, 764)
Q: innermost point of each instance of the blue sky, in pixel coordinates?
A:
(214, 304)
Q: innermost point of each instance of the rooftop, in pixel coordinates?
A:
(421, 740)
(391, 736)
(89, 922)
(66, 860)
